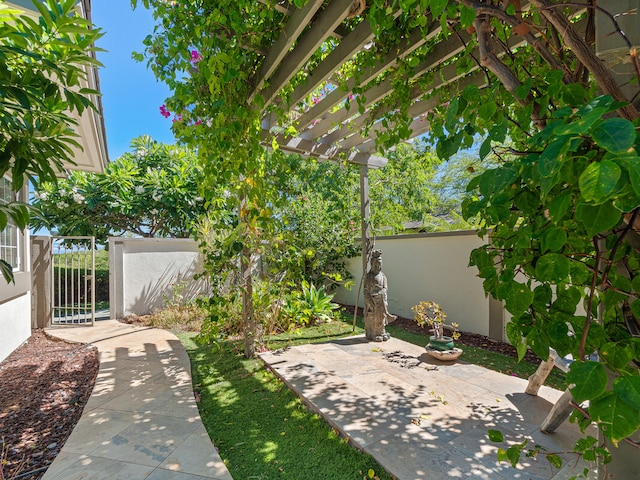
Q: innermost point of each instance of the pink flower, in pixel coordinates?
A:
(195, 57)
(177, 118)
(198, 122)
(164, 112)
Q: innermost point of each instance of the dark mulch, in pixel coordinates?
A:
(45, 385)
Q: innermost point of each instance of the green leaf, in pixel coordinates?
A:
(616, 135)
(557, 331)
(467, 16)
(542, 295)
(495, 180)
(438, 6)
(628, 389)
(487, 110)
(616, 354)
(634, 173)
(552, 267)
(589, 380)
(616, 418)
(560, 205)
(579, 272)
(550, 160)
(599, 180)
(555, 460)
(577, 126)
(513, 454)
(517, 296)
(539, 342)
(553, 239)
(485, 148)
(566, 300)
(598, 218)
(495, 435)
(7, 271)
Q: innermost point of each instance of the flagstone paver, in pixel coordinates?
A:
(141, 421)
(423, 419)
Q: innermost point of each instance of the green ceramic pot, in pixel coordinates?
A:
(441, 344)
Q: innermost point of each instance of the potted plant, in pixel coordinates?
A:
(431, 315)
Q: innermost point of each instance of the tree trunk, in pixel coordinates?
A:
(248, 319)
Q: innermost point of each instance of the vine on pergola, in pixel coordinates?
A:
(327, 79)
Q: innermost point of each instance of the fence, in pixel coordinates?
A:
(144, 273)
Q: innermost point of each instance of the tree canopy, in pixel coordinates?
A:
(151, 191)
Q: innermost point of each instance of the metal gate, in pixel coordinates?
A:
(73, 282)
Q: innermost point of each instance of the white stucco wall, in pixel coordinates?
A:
(143, 273)
(430, 267)
(15, 299)
(15, 321)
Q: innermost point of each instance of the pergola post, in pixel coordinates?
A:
(365, 212)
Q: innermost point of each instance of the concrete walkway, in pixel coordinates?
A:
(423, 419)
(141, 421)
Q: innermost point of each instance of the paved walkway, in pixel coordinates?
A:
(423, 419)
(141, 421)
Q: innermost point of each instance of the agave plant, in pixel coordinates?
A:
(315, 304)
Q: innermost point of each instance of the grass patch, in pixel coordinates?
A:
(261, 428)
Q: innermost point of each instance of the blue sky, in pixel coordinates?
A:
(131, 96)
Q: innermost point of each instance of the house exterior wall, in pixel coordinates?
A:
(15, 300)
(145, 273)
(433, 267)
(15, 322)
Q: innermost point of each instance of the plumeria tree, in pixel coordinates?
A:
(42, 66)
(151, 191)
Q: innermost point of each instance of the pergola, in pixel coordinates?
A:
(326, 127)
(340, 83)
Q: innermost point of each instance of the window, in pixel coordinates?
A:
(9, 237)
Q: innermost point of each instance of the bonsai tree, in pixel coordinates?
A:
(430, 314)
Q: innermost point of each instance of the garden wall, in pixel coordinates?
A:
(434, 266)
(146, 273)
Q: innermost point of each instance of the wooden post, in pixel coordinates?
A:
(558, 414)
(538, 378)
(365, 211)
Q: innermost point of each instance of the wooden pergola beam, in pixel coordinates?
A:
(289, 34)
(321, 29)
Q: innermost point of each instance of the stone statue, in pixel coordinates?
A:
(376, 314)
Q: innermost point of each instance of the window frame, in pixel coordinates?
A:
(11, 232)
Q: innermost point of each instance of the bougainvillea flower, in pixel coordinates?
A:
(164, 112)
